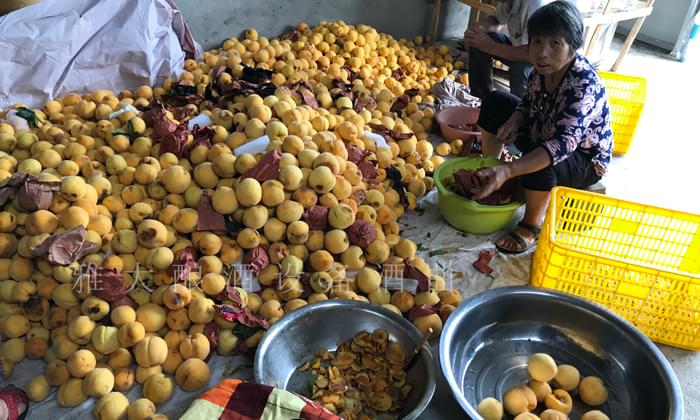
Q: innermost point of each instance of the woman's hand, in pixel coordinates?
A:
(490, 180)
(508, 132)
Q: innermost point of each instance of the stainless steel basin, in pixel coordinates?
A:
(293, 340)
(486, 342)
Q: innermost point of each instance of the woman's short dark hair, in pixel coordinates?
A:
(559, 18)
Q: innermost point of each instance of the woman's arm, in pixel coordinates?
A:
(491, 179)
(482, 41)
(581, 103)
(517, 54)
(578, 107)
(534, 161)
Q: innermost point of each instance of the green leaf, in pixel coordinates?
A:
(130, 128)
(244, 332)
(443, 251)
(129, 132)
(28, 115)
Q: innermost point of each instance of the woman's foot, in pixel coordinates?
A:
(519, 240)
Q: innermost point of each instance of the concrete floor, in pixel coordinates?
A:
(661, 166)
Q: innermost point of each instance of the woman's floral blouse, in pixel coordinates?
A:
(576, 115)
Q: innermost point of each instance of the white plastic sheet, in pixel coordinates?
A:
(378, 140)
(57, 46)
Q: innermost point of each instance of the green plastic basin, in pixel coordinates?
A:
(468, 215)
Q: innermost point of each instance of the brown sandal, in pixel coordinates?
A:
(521, 242)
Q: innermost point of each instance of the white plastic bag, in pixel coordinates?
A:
(254, 146)
(57, 46)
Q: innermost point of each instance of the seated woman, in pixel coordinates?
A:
(561, 126)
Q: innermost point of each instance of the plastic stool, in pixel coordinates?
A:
(598, 188)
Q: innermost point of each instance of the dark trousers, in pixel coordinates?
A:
(576, 171)
(481, 70)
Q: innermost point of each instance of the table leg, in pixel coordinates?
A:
(598, 29)
(436, 20)
(630, 38)
(628, 43)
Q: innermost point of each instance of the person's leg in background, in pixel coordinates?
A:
(481, 67)
(518, 74)
(496, 108)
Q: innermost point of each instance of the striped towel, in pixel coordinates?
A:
(233, 399)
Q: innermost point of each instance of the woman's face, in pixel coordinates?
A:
(550, 54)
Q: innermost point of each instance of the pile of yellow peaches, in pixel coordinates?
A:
(103, 194)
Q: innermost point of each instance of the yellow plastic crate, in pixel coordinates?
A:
(640, 261)
(627, 95)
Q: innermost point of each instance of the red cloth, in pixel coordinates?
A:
(268, 167)
(65, 248)
(257, 258)
(109, 285)
(421, 311)
(466, 180)
(243, 316)
(15, 400)
(171, 136)
(369, 171)
(361, 233)
(355, 154)
(183, 266)
(400, 103)
(209, 219)
(248, 401)
(316, 217)
(31, 193)
(482, 264)
(37, 195)
(411, 272)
